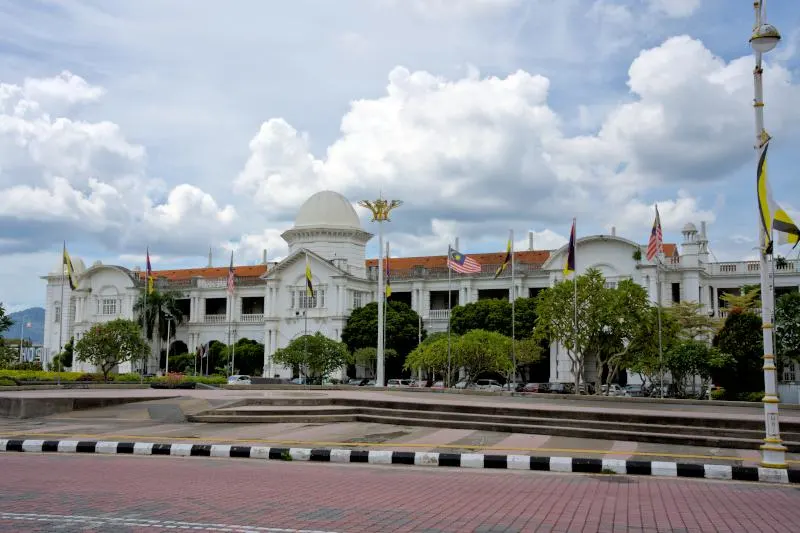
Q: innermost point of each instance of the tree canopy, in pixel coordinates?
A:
(402, 323)
(555, 320)
(787, 326)
(741, 338)
(316, 356)
(111, 343)
(495, 315)
(7, 356)
(368, 357)
(477, 352)
(248, 356)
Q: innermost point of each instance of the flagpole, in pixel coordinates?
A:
(658, 300)
(773, 453)
(449, 310)
(385, 301)
(63, 307)
(575, 294)
(513, 293)
(144, 311)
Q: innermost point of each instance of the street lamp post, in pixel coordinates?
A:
(166, 363)
(380, 210)
(773, 453)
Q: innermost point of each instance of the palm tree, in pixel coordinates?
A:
(161, 306)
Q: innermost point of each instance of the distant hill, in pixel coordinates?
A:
(34, 316)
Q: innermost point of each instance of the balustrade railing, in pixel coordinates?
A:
(438, 314)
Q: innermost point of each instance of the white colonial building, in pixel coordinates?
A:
(270, 303)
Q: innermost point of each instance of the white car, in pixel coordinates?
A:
(488, 385)
(239, 380)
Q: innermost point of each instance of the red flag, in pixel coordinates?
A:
(656, 243)
(231, 277)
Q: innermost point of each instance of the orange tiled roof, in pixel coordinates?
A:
(249, 271)
(670, 250)
(536, 257)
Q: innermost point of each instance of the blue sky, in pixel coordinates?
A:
(194, 125)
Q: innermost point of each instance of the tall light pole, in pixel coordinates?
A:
(773, 453)
(380, 210)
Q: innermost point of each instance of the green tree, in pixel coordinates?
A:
(368, 357)
(248, 357)
(495, 315)
(688, 358)
(7, 355)
(431, 355)
(645, 359)
(787, 327)
(316, 356)
(480, 351)
(111, 343)
(749, 300)
(161, 305)
(693, 322)
(626, 328)
(555, 319)
(741, 338)
(5, 320)
(402, 328)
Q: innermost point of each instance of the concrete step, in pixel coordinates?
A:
(610, 427)
(670, 418)
(656, 435)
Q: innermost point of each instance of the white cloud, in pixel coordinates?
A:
(675, 8)
(76, 178)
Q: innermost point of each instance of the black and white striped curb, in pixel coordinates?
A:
(386, 457)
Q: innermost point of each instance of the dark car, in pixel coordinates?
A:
(559, 388)
(536, 387)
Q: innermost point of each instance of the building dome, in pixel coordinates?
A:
(327, 209)
(689, 228)
(77, 264)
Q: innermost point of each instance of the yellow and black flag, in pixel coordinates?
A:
(69, 271)
(509, 254)
(569, 264)
(309, 282)
(771, 214)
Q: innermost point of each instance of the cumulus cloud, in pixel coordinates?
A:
(675, 8)
(479, 149)
(62, 177)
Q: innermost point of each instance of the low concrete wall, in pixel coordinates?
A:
(17, 407)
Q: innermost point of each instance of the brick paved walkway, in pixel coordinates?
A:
(75, 493)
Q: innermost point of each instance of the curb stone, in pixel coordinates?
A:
(387, 457)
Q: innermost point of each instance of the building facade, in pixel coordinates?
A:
(270, 304)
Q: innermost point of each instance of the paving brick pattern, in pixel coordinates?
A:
(112, 493)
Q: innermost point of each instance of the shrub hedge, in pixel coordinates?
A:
(10, 377)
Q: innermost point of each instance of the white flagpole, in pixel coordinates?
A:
(63, 307)
(385, 301)
(575, 291)
(449, 310)
(513, 293)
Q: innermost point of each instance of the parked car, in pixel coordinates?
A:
(536, 387)
(438, 385)
(637, 391)
(488, 385)
(559, 388)
(612, 390)
(239, 379)
(394, 383)
(357, 382)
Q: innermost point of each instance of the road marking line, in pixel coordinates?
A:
(142, 522)
(386, 445)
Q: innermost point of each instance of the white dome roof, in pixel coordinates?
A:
(327, 209)
(689, 228)
(77, 264)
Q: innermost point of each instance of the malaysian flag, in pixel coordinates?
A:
(462, 263)
(231, 277)
(656, 242)
(148, 274)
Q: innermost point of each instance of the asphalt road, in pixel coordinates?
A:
(125, 494)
